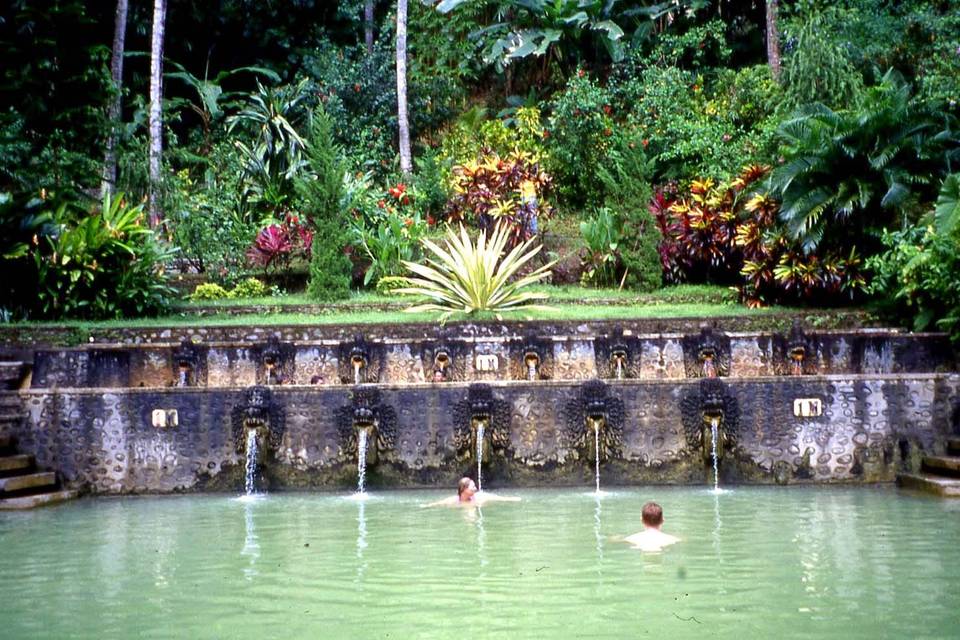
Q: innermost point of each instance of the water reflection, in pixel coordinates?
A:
(476, 515)
(251, 542)
(361, 543)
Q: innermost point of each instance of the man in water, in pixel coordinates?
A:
(468, 495)
(651, 538)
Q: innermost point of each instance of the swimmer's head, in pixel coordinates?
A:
(466, 488)
(652, 514)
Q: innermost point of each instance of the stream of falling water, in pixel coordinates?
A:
(531, 371)
(480, 427)
(619, 369)
(184, 380)
(714, 434)
(250, 470)
(596, 452)
(361, 461)
(356, 373)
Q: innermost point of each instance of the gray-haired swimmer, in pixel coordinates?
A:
(469, 496)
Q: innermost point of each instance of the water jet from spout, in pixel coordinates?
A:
(250, 469)
(361, 461)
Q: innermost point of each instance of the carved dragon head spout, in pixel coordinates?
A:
(594, 422)
(260, 413)
(710, 418)
(482, 424)
(376, 421)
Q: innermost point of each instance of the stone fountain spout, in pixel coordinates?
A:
(441, 365)
(186, 360)
(258, 424)
(618, 361)
(359, 360)
(531, 362)
(365, 426)
(796, 349)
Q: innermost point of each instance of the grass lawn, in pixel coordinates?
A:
(566, 304)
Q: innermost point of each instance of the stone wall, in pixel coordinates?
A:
(870, 428)
(490, 358)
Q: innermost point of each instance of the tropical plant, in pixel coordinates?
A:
(915, 279)
(728, 233)
(105, 264)
(544, 28)
(388, 243)
(494, 190)
(274, 156)
(852, 171)
(277, 245)
(602, 233)
(817, 68)
(463, 277)
(210, 101)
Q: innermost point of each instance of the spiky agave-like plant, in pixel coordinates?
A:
(465, 277)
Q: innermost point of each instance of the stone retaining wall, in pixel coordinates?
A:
(870, 427)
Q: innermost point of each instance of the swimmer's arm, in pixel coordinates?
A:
(446, 502)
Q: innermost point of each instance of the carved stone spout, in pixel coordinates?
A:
(257, 412)
(186, 360)
(594, 417)
(710, 415)
(441, 365)
(368, 415)
(481, 419)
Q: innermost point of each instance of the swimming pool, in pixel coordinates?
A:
(755, 562)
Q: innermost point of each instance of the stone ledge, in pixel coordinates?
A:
(14, 463)
(29, 481)
(30, 502)
(937, 485)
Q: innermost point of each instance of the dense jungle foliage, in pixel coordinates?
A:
(644, 143)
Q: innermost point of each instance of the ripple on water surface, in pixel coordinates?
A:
(753, 562)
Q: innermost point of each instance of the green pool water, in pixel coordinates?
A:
(753, 563)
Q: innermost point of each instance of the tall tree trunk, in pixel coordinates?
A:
(156, 115)
(773, 39)
(406, 165)
(109, 181)
(368, 24)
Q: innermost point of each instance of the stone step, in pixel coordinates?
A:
(37, 500)
(11, 372)
(19, 462)
(6, 442)
(937, 485)
(28, 481)
(10, 399)
(944, 465)
(953, 445)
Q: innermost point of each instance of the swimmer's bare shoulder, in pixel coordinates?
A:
(650, 540)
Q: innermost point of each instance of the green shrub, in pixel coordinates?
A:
(209, 291)
(321, 197)
(915, 279)
(818, 69)
(103, 264)
(580, 133)
(249, 288)
(625, 175)
(852, 172)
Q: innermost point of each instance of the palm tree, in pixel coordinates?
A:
(114, 110)
(156, 115)
(773, 39)
(406, 164)
(368, 24)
